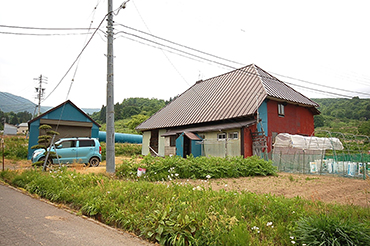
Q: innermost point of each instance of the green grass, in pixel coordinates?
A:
(173, 214)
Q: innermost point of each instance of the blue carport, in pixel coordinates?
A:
(188, 143)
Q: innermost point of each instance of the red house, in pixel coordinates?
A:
(236, 113)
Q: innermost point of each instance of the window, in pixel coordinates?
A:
(233, 135)
(172, 141)
(87, 143)
(281, 109)
(67, 144)
(221, 136)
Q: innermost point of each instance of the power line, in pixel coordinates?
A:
(44, 34)
(187, 55)
(83, 49)
(47, 28)
(325, 86)
(181, 45)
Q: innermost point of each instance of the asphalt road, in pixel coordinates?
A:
(25, 220)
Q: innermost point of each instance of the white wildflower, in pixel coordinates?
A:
(269, 224)
(208, 176)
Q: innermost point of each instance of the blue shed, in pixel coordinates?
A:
(188, 143)
(67, 119)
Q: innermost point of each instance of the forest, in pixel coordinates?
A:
(14, 118)
(344, 115)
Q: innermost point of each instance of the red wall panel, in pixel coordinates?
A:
(297, 120)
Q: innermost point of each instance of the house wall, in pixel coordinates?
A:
(10, 129)
(221, 148)
(247, 140)
(161, 142)
(297, 120)
(169, 150)
(263, 115)
(146, 141)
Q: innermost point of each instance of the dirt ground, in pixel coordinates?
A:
(330, 189)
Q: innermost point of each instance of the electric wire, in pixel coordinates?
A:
(74, 62)
(47, 28)
(167, 47)
(181, 45)
(79, 59)
(45, 34)
(326, 86)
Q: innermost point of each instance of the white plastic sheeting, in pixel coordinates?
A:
(285, 140)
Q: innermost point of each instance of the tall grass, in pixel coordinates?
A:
(123, 149)
(174, 214)
(16, 147)
(196, 168)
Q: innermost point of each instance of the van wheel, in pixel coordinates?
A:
(94, 162)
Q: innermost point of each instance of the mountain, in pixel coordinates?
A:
(10, 102)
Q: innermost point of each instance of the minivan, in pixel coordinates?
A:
(73, 150)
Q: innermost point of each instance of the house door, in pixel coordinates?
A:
(153, 142)
(186, 144)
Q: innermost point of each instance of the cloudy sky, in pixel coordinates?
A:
(321, 48)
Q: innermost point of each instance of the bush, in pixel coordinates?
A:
(331, 230)
(197, 168)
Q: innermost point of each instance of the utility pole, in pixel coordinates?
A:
(40, 91)
(110, 166)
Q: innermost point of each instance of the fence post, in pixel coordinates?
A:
(2, 147)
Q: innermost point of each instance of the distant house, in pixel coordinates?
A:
(233, 114)
(67, 119)
(22, 128)
(10, 129)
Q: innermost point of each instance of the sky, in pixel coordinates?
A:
(320, 48)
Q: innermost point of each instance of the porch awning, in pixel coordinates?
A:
(192, 136)
(211, 128)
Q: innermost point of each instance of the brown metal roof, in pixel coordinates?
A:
(192, 136)
(231, 95)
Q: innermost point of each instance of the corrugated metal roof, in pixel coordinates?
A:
(231, 95)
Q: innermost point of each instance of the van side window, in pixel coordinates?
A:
(87, 143)
(67, 144)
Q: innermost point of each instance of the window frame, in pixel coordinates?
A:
(219, 138)
(281, 109)
(233, 135)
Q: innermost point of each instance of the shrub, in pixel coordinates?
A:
(168, 168)
(331, 230)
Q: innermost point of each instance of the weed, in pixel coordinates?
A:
(290, 177)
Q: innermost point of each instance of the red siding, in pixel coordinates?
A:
(297, 120)
(248, 149)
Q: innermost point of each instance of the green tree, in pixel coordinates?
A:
(364, 128)
(319, 120)
(44, 142)
(136, 120)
